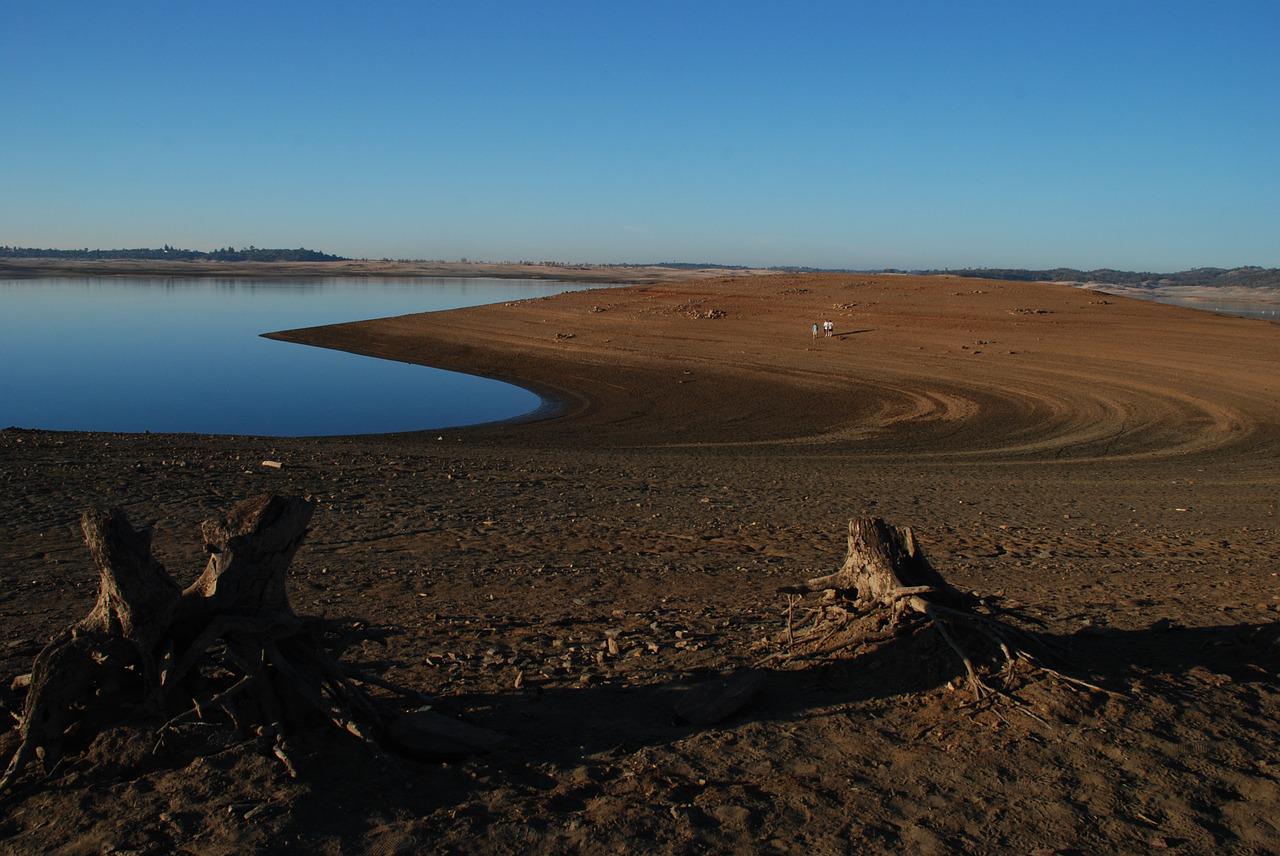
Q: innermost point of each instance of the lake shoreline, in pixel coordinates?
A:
(203, 365)
(40, 267)
(1111, 466)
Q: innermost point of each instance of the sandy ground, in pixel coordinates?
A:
(1106, 464)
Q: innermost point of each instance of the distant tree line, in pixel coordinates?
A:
(168, 253)
(1247, 277)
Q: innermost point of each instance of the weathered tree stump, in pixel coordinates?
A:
(887, 589)
(230, 645)
(250, 550)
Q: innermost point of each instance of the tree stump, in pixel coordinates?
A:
(228, 646)
(249, 553)
(888, 589)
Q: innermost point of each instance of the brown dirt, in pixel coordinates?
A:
(1109, 465)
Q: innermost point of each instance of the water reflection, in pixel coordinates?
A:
(185, 354)
(1247, 302)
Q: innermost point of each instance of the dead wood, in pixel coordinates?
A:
(136, 595)
(228, 648)
(882, 560)
(249, 553)
(886, 590)
(111, 647)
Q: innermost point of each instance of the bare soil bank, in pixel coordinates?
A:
(1109, 464)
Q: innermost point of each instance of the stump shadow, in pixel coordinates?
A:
(569, 727)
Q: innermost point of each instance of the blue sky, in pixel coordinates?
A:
(900, 134)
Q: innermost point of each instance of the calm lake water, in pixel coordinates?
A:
(1253, 302)
(182, 354)
(1269, 310)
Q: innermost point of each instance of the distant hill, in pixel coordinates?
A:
(693, 266)
(1241, 277)
(168, 253)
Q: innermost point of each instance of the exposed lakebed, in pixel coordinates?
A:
(186, 355)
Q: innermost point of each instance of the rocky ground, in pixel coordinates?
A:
(1109, 468)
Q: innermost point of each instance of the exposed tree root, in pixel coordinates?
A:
(229, 648)
(888, 590)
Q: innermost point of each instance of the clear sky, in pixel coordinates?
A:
(861, 134)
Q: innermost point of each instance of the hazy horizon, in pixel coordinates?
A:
(1130, 136)
(659, 263)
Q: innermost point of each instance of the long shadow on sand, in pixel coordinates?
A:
(566, 723)
(571, 726)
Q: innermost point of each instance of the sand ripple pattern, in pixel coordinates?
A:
(1056, 418)
(921, 369)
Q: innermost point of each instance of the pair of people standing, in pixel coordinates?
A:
(828, 328)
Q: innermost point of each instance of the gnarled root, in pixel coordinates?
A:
(887, 590)
(228, 647)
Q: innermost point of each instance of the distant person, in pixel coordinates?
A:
(829, 327)
(815, 329)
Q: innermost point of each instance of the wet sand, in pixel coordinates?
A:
(1110, 465)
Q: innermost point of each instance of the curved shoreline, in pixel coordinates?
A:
(997, 371)
(1110, 467)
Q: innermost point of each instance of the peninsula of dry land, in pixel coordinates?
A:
(1108, 466)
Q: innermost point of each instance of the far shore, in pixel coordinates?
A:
(39, 267)
(1232, 300)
